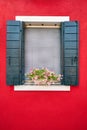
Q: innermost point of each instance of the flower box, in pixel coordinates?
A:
(43, 77)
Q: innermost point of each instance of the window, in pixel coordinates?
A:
(16, 52)
(42, 49)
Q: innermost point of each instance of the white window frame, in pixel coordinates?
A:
(42, 19)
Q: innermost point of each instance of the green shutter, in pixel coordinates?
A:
(15, 53)
(70, 52)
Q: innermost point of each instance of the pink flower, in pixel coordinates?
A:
(36, 77)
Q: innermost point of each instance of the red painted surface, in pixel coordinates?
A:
(44, 110)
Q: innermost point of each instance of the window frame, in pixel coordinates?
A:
(47, 19)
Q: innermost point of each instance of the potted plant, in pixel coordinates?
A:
(43, 77)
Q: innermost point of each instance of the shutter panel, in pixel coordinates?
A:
(15, 53)
(70, 52)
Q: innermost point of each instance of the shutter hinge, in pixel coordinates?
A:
(20, 30)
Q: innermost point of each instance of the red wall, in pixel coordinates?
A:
(44, 110)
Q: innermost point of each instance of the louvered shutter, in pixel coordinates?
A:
(15, 53)
(70, 52)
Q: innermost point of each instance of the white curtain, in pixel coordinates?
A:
(42, 49)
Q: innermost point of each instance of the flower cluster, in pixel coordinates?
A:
(43, 77)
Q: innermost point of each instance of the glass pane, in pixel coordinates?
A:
(42, 49)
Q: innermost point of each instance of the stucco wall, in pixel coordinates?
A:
(44, 110)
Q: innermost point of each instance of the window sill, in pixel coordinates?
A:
(41, 88)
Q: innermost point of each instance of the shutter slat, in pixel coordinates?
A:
(70, 61)
(70, 29)
(13, 29)
(70, 70)
(71, 23)
(69, 37)
(70, 44)
(70, 52)
(13, 22)
(13, 36)
(15, 53)
(13, 61)
(14, 70)
(70, 80)
(13, 44)
(13, 80)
